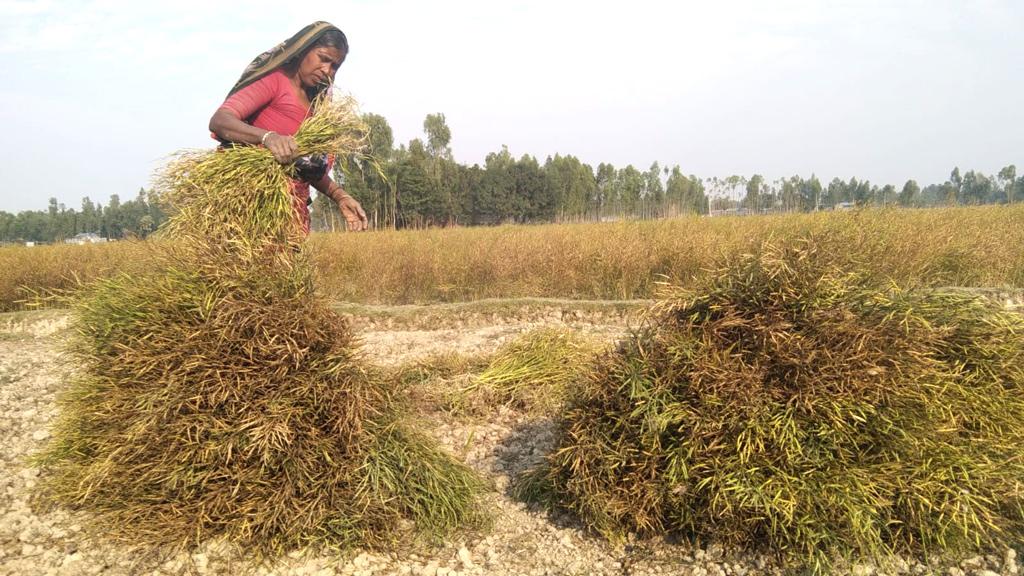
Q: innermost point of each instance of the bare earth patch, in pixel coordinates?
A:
(521, 541)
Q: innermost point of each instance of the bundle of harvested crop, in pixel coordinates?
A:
(795, 407)
(218, 396)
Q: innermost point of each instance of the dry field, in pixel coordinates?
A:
(498, 445)
(968, 246)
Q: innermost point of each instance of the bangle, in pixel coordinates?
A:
(263, 140)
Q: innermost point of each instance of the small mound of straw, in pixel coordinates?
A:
(534, 371)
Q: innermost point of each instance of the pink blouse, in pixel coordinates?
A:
(270, 103)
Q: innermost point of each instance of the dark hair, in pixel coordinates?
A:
(332, 39)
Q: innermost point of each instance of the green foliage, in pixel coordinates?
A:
(420, 200)
(534, 372)
(685, 193)
(369, 178)
(910, 195)
(406, 472)
(135, 218)
(439, 136)
(795, 405)
(1007, 177)
(495, 200)
(573, 186)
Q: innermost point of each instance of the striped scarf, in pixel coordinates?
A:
(279, 55)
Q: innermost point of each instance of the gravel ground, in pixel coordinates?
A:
(521, 541)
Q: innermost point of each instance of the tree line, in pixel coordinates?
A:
(134, 218)
(420, 184)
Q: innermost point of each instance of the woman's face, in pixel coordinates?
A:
(319, 66)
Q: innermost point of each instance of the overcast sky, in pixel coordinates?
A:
(95, 94)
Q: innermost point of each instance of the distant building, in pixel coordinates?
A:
(845, 206)
(731, 212)
(86, 238)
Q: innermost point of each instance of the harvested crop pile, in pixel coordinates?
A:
(795, 408)
(534, 371)
(218, 396)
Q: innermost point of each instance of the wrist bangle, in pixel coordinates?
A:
(263, 140)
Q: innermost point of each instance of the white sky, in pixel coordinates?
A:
(95, 93)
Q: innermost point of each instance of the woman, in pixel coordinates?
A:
(274, 95)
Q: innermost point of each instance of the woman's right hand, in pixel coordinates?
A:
(283, 148)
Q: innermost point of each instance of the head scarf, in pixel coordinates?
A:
(278, 55)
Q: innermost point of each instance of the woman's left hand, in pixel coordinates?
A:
(355, 217)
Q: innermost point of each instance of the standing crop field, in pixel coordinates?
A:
(974, 246)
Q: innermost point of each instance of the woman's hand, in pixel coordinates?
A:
(283, 148)
(227, 126)
(355, 218)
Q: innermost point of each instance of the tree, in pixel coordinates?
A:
(381, 139)
(810, 193)
(789, 193)
(957, 183)
(860, 192)
(752, 199)
(155, 210)
(976, 188)
(630, 185)
(419, 202)
(467, 184)
(493, 200)
(732, 183)
(146, 225)
(887, 194)
(112, 218)
(686, 193)
(135, 218)
(369, 179)
(88, 220)
(440, 164)
(420, 184)
(837, 193)
(910, 194)
(654, 192)
(439, 136)
(572, 184)
(606, 197)
(534, 198)
(1008, 182)
(949, 193)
